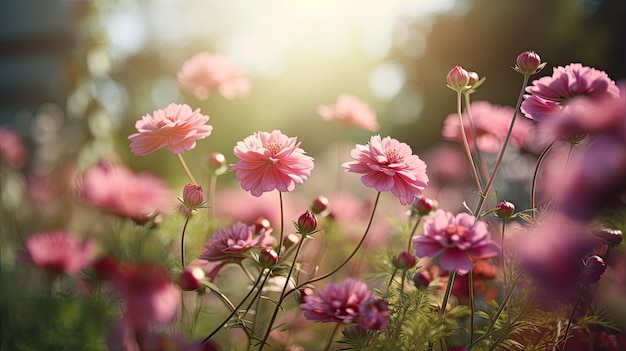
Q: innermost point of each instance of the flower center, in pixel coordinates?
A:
(456, 232)
(273, 147)
(393, 157)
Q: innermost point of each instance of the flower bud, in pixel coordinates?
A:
(260, 224)
(504, 210)
(595, 267)
(422, 279)
(319, 205)
(458, 79)
(610, 236)
(473, 78)
(192, 196)
(424, 206)
(268, 258)
(216, 160)
(307, 223)
(191, 279)
(404, 261)
(291, 240)
(528, 63)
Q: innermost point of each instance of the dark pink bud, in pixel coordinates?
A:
(528, 62)
(260, 224)
(404, 261)
(191, 279)
(192, 196)
(504, 210)
(610, 236)
(216, 160)
(594, 268)
(458, 78)
(319, 205)
(307, 223)
(424, 206)
(422, 279)
(268, 258)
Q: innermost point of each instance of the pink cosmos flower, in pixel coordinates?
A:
(118, 190)
(351, 111)
(491, 124)
(269, 161)
(204, 72)
(232, 242)
(176, 126)
(59, 252)
(12, 150)
(456, 240)
(387, 164)
(374, 314)
(337, 303)
(548, 95)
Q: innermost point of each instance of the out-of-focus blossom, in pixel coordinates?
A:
(491, 125)
(422, 279)
(319, 205)
(387, 164)
(454, 170)
(352, 111)
(610, 236)
(594, 268)
(458, 79)
(205, 72)
(192, 196)
(12, 150)
(337, 303)
(456, 240)
(176, 126)
(269, 161)
(116, 189)
(528, 63)
(233, 242)
(483, 272)
(548, 95)
(59, 252)
(191, 278)
(374, 314)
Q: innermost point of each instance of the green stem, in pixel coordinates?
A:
(332, 336)
(444, 303)
(470, 281)
(533, 186)
(211, 202)
(482, 170)
(282, 225)
(419, 219)
(182, 162)
(569, 322)
(468, 152)
(507, 297)
(182, 239)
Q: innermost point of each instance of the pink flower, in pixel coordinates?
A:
(205, 72)
(118, 190)
(176, 126)
(374, 314)
(548, 95)
(12, 150)
(387, 164)
(269, 161)
(491, 124)
(456, 240)
(351, 111)
(337, 303)
(59, 252)
(233, 242)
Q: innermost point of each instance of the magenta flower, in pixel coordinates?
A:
(491, 124)
(351, 111)
(387, 164)
(233, 242)
(59, 252)
(374, 314)
(118, 190)
(205, 72)
(337, 303)
(455, 240)
(176, 126)
(12, 150)
(548, 95)
(269, 161)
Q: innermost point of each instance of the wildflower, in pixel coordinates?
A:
(59, 252)
(192, 196)
(12, 150)
(505, 209)
(176, 126)
(387, 164)
(458, 79)
(351, 111)
(547, 96)
(336, 303)
(373, 314)
(269, 161)
(233, 242)
(456, 240)
(307, 223)
(118, 190)
(204, 72)
(404, 261)
(528, 63)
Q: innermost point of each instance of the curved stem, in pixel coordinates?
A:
(182, 239)
(468, 152)
(211, 202)
(182, 162)
(470, 281)
(569, 156)
(482, 167)
(533, 186)
(484, 195)
(419, 219)
(282, 221)
(504, 277)
(507, 297)
(444, 303)
(332, 336)
(571, 318)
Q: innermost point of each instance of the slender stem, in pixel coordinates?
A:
(569, 156)
(182, 239)
(332, 336)
(507, 297)
(444, 303)
(182, 162)
(533, 186)
(484, 195)
(247, 272)
(504, 276)
(470, 281)
(571, 318)
(393, 275)
(402, 280)
(468, 152)
(419, 219)
(482, 167)
(211, 202)
(282, 223)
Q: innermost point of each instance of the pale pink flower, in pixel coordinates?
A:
(352, 111)
(337, 303)
(116, 189)
(456, 240)
(205, 72)
(269, 161)
(548, 95)
(234, 241)
(491, 125)
(176, 126)
(59, 252)
(12, 150)
(387, 164)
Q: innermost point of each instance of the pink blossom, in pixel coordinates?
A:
(351, 111)
(337, 303)
(176, 126)
(118, 190)
(491, 124)
(233, 242)
(374, 314)
(457, 240)
(548, 95)
(269, 161)
(59, 251)
(387, 164)
(204, 72)
(12, 150)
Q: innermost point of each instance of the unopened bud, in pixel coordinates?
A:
(216, 160)
(191, 279)
(504, 210)
(528, 63)
(261, 223)
(422, 279)
(594, 268)
(473, 78)
(268, 258)
(404, 261)
(424, 206)
(319, 205)
(458, 79)
(307, 223)
(610, 236)
(192, 196)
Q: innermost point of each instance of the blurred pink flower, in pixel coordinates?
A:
(176, 126)
(118, 190)
(452, 170)
(232, 242)
(491, 124)
(337, 303)
(351, 111)
(12, 150)
(59, 252)
(548, 95)
(204, 72)
(269, 161)
(457, 240)
(373, 314)
(388, 164)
